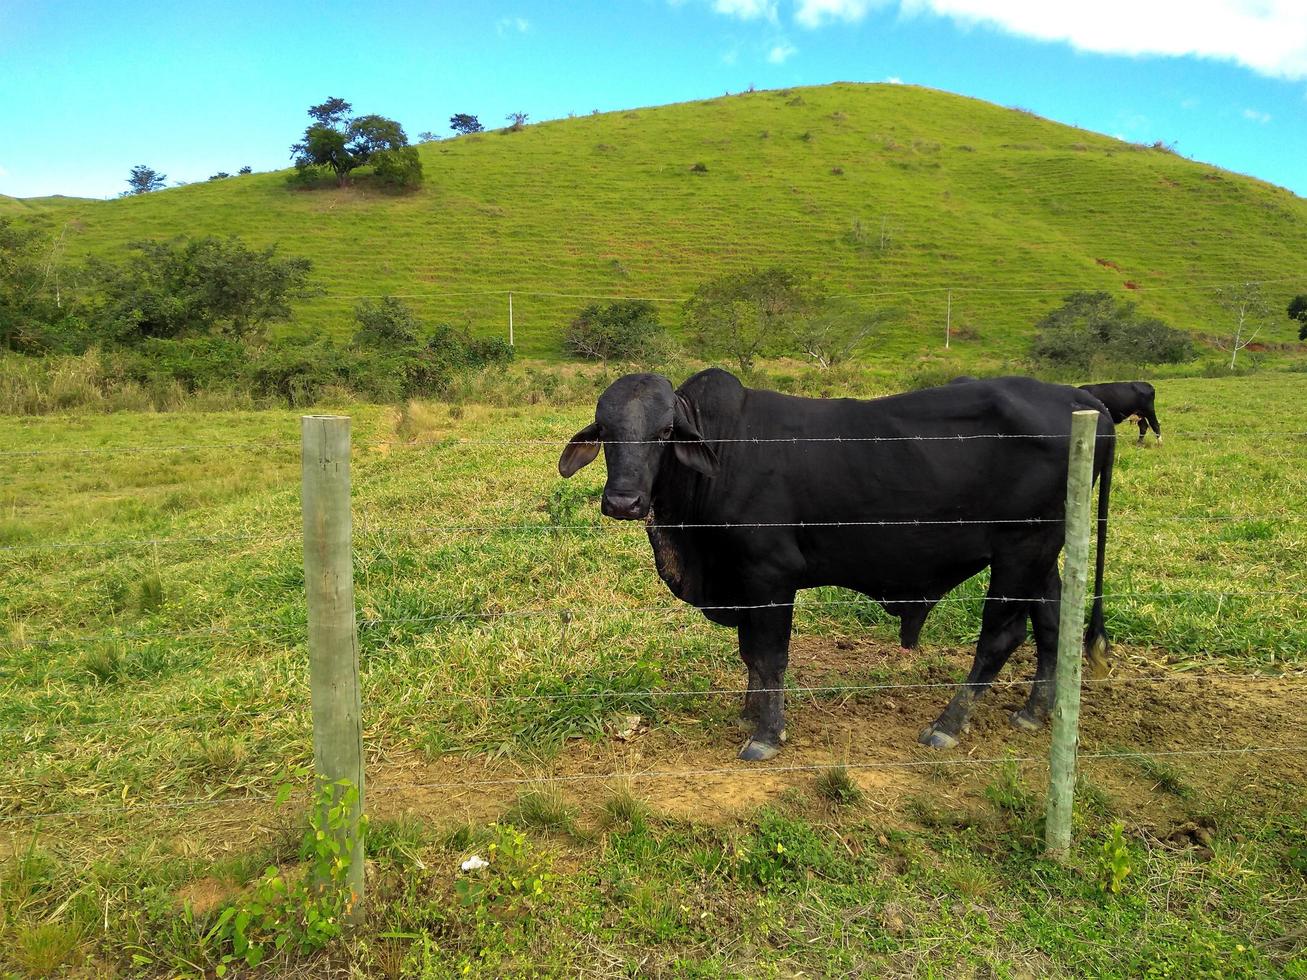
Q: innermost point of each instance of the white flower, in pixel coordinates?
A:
(475, 863)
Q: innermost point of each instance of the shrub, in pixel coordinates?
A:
(624, 330)
(398, 167)
(1093, 328)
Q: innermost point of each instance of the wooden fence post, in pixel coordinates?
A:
(1075, 573)
(333, 633)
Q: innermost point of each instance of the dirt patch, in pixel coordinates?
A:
(1108, 264)
(206, 894)
(686, 767)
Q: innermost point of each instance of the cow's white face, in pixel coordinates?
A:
(636, 421)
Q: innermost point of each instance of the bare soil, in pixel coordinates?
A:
(688, 770)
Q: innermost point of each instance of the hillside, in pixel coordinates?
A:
(891, 194)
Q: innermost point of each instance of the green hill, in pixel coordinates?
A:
(891, 194)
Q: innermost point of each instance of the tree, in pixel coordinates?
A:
(197, 287)
(1297, 310)
(143, 180)
(245, 170)
(517, 120)
(832, 333)
(220, 175)
(626, 330)
(462, 123)
(1248, 313)
(34, 319)
(742, 314)
(343, 144)
(385, 324)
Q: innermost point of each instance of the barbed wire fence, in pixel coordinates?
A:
(331, 713)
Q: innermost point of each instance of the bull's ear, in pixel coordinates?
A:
(581, 450)
(688, 442)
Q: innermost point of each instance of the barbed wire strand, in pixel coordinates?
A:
(568, 612)
(821, 767)
(752, 772)
(366, 529)
(183, 720)
(1178, 677)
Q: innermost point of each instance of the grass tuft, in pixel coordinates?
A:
(544, 808)
(837, 787)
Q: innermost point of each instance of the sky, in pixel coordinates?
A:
(90, 88)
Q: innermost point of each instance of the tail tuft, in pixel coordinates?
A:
(1096, 653)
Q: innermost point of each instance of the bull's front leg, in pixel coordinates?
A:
(752, 702)
(765, 649)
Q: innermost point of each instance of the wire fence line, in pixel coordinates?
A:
(962, 289)
(569, 613)
(135, 450)
(432, 529)
(562, 438)
(181, 720)
(752, 772)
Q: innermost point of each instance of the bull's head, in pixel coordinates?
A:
(639, 421)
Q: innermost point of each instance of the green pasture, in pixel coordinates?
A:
(152, 618)
(892, 195)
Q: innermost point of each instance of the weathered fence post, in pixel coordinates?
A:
(1075, 573)
(333, 635)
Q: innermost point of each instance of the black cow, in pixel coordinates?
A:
(1126, 398)
(687, 458)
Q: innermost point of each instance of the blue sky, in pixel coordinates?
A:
(89, 88)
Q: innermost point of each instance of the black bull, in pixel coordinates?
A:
(688, 457)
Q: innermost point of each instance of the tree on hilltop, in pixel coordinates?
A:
(143, 180)
(463, 123)
(341, 143)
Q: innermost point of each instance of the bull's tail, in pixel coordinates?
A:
(1096, 648)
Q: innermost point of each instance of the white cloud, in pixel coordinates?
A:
(1256, 116)
(747, 9)
(894, 80)
(781, 52)
(814, 13)
(1268, 36)
(731, 57)
(1189, 103)
(4, 172)
(509, 25)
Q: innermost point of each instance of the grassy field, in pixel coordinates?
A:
(153, 674)
(893, 195)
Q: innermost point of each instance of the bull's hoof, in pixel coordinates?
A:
(750, 725)
(755, 751)
(1026, 720)
(937, 738)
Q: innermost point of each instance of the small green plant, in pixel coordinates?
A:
(783, 849)
(1113, 860)
(303, 914)
(508, 881)
(837, 786)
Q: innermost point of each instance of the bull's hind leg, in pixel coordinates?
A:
(1002, 628)
(765, 649)
(1044, 618)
